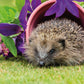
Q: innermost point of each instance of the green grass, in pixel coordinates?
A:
(20, 72)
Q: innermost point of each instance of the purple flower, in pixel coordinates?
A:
(9, 29)
(28, 7)
(20, 42)
(5, 50)
(60, 6)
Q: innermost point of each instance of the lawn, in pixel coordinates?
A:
(18, 71)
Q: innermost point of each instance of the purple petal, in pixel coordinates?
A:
(9, 29)
(21, 49)
(71, 7)
(28, 14)
(27, 1)
(80, 0)
(24, 25)
(53, 9)
(23, 13)
(19, 43)
(35, 3)
(61, 9)
(29, 7)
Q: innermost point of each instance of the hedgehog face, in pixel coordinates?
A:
(58, 41)
(41, 52)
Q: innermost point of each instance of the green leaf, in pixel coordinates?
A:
(8, 14)
(43, 0)
(15, 35)
(7, 3)
(20, 4)
(80, 3)
(16, 21)
(9, 44)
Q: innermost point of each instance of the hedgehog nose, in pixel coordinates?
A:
(41, 63)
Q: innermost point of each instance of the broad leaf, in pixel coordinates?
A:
(20, 4)
(8, 14)
(9, 44)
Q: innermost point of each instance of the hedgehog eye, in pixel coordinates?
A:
(30, 40)
(51, 51)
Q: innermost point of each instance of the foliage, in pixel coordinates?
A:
(8, 14)
(81, 4)
(20, 4)
(9, 44)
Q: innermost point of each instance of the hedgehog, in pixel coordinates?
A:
(56, 42)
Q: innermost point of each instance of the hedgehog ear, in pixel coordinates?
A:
(62, 41)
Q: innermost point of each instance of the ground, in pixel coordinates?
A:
(18, 71)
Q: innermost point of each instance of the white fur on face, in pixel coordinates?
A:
(42, 54)
(42, 51)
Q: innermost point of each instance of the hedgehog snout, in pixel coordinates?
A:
(41, 64)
